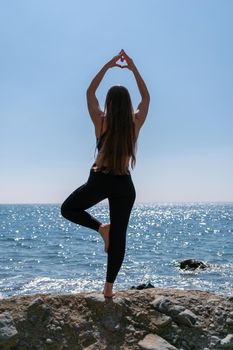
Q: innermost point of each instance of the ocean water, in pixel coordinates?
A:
(41, 252)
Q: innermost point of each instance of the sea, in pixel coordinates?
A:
(41, 252)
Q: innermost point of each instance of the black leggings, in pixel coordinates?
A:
(120, 191)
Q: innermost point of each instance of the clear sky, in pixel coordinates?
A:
(50, 52)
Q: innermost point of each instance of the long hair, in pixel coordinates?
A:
(119, 145)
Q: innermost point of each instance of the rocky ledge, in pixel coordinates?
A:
(155, 318)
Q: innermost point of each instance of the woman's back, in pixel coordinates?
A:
(103, 167)
(116, 141)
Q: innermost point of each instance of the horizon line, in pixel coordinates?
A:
(139, 202)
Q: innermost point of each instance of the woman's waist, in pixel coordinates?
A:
(105, 170)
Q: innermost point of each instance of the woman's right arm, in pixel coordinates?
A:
(142, 110)
(143, 107)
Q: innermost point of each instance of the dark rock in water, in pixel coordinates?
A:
(192, 264)
(143, 286)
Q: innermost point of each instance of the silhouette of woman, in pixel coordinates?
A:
(116, 129)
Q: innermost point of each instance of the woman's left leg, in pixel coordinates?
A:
(120, 209)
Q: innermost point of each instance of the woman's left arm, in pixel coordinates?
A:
(92, 101)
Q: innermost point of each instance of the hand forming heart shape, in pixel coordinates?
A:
(129, 62)
(122, 59)
(119, 62)
(122, 56)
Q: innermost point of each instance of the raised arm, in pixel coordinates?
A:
(142, 110)
(92, 101)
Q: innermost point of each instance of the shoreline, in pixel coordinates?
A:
(29, 295)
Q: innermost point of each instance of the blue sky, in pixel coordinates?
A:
(50, 52)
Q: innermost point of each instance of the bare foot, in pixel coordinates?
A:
(108, 295)
(107, 292)
(104, 231)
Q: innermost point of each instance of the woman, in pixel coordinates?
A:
(116, 130)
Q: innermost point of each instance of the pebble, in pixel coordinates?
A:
(49, 341)
(131, 328)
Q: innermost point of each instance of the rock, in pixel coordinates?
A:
(155, 342)
(87, 321)
(174, 310)
(38, 311)
(167, 306)
(143, 286)
(212, 301)
(229, 321)
(35, 303)
(177, 312)
(227, 342)
(162, 321)
(187, 318)
(8, 331)
(92, 347)
(95, 298)
(192, 264)
(214, 340)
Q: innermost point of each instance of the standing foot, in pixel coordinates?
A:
(107, 292)
(104, 231)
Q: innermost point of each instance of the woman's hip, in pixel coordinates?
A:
(118, 184)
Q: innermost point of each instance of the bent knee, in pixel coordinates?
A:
(64, 210)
